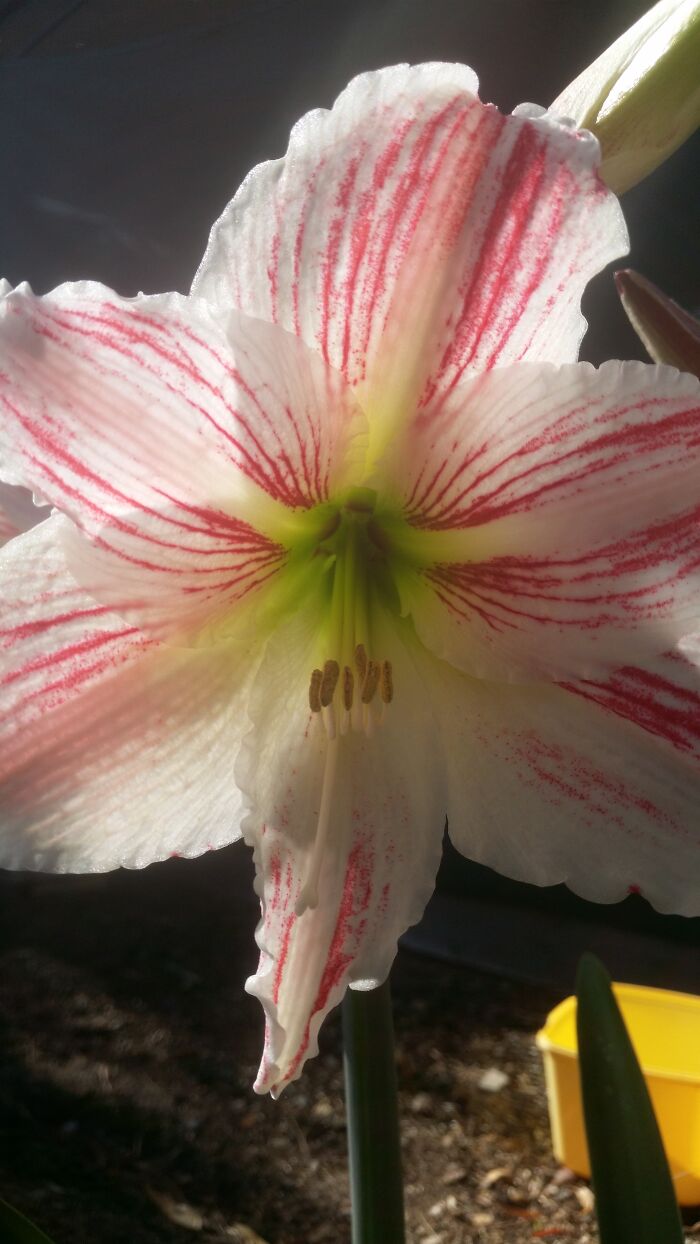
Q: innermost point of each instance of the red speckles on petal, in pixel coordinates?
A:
(122, 396)
(355, 900)
(282, 953)
(412, 196)
(275, 874)
(634, 580)
(663, 700)
(554, 438)
(571, 494)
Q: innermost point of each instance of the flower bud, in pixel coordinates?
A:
(641, 97)
(670, 334)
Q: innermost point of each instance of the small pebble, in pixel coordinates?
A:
(481, 1219)
(454, 1174)
(493, 1080)
(585, 1198)
(492, 1177)
(421, 1103)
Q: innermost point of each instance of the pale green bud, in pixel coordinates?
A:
(641, 97)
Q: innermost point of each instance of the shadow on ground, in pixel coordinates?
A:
(128, 1048)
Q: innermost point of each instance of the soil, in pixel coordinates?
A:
(129, 1049)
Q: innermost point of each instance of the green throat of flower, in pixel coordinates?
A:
(352, 686)
(356, 580)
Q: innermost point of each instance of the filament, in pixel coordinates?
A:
(308, 896)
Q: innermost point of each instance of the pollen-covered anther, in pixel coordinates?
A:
(361, 661)
(315, 691)
(329, 682)
(370, 681)
(386, 682)
(344, 698)
(348, 688)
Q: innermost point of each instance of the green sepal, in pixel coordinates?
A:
(16, 1229)
(635, 1199)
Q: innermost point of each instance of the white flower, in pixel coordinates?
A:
(347, 542)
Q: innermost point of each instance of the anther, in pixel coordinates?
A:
(315, 691)
(329, 682)
(370, 682)
(361, 661)
(348, 688)
(386, 682)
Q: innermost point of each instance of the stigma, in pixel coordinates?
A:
(352, 698)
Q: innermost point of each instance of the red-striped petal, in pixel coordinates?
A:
(380, 860)
(413, 234)
(570, 499)
(113, 750)
(167, 439)
(662, 697)
(548, 787)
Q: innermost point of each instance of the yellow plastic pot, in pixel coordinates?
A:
(665, 1031)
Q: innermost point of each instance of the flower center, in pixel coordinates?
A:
(353, 679)
(353, 687)
(347, 702)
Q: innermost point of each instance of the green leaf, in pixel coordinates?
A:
(670, 334)
(16, 1229)
(635, 1200)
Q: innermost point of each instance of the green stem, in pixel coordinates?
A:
(376, 1183)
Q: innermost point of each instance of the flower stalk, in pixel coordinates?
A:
(376, 1184)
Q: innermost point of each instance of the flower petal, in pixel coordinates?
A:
(173, 444)
(113, 750)
(546, 787)
(561, 506)
(413, 234)
(663, 697)
(380, 858)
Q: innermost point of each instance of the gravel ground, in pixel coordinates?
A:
(129, 1048)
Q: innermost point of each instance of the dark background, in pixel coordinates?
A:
(125, 126)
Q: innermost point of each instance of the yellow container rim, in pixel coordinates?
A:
(688, 1001)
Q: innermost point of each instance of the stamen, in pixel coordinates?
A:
(329, 682)
(328, 716)
(361, 661)
(370, 682)
(315, 691)
(348, 687)
(308, 895)
(386, 683)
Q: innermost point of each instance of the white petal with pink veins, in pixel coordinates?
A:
(380, 854)
(548, 787)
(113, 750)
(662, 697)
(414, 235)
(170, 440)
(561, 507)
